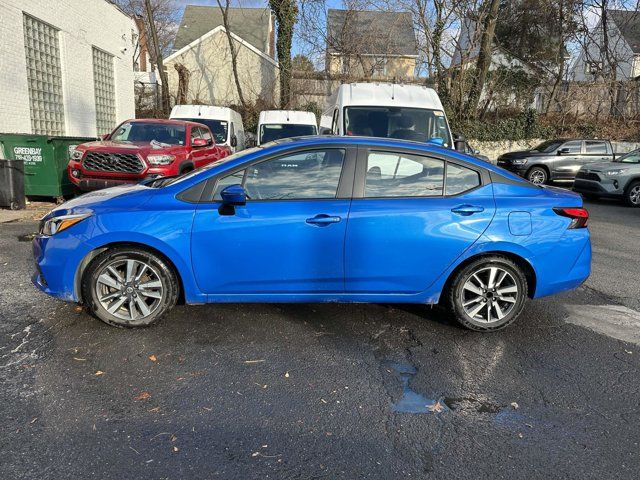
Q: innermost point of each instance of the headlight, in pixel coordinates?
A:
(57, 224)
(160, 159)
(76, 154)
(519, 161)
(613, 173)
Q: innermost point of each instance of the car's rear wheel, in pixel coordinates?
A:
(632, 195)
(128, 287)
(488, 294)
(538, 176)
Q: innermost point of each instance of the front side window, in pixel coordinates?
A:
(303, 175)
(403, 175)
(460, 179)
(44, 77)
(417, 124)
(595, 148)
(276, 131)
(147, 132)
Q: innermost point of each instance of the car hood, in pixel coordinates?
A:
(602, 166)
(520, 154)
(143, 148)
(114, 198)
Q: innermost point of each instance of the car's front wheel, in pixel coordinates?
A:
(488, 294)
(632, 195)
(129, 287)
(537, 176)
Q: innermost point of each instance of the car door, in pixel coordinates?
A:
(568, 160)
(412, 215)
(288, 238)
(595, 151)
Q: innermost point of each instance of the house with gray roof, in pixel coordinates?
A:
(370, 44)
(623, 52)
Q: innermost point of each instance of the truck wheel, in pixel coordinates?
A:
(537, 176)
(129, 287)
(632, 194)
(488, 294)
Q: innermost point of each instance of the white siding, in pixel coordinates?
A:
(82, 24)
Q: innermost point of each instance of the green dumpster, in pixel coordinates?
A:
(45, 161)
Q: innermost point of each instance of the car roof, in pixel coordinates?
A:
(207, 112)
(287, 116)
(388, 95)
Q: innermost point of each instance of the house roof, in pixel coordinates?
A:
(368, 32)
(628, 22)
(251, 24)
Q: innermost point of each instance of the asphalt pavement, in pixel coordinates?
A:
(323, 390)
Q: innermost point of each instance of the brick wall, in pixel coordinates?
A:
(82, 24)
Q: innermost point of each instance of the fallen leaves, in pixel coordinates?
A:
(98, 373)
(436, 407)
(514, 405)
(142, 396)
(153, 358)
(286, 375)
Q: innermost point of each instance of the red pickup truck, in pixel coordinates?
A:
(146, 148)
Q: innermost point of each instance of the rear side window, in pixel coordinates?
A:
(403, 175)
(460, 179)
(595, 148)
(572, 147)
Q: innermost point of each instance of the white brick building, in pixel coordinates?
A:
(66, 67)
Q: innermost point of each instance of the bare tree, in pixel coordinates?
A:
(232, 49)
(166, 103)
(182, 96)
(286, 13)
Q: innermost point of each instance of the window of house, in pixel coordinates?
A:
(303, 175)
(403, 175)
(44, 77)
(104, 88)
(460, 179)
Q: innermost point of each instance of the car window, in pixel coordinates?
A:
(593, 148)
(574, 146)
(233, 179)
(632, 157)
(403, 175)
(206, 134)
(303, 175)
(460, 179)
(148, 132)
(195, 133)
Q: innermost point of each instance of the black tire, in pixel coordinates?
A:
(456, 295)
(538, 175)
(157, 270)
(632, 194)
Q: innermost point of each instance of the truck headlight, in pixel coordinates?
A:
(160, 159)
(519, 161)
(76, 155)
(613, 173)
(57, 224)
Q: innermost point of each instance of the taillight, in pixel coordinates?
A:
(578, 216)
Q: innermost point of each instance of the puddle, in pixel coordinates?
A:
(411, 401)
(27, 237)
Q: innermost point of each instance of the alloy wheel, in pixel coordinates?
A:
(537, 177)
(634, 195)
(489, 294)
(129, 289)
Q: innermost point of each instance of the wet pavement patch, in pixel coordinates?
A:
(472, 404)
(411, 401)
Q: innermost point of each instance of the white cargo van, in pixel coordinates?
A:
(275, 124)
(408, 112)
(225, 124)
(325, 125)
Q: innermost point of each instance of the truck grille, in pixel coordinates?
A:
(113, 162)
(588, 176)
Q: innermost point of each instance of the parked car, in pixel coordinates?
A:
(617, 179)
(556, 159)
(138, 149)
(425, 224)
(277, 124)
(225, 123)
(386, 110)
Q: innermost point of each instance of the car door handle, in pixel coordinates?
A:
(322, 220)
(467, 210)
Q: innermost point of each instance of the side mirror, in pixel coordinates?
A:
(200, 142)
(564, 151)
(460, 143)
(437, 141)
(234, 195)
(234, 141)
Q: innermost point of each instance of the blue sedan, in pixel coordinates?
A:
(319, 219)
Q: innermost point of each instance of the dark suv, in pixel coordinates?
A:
(556, 159)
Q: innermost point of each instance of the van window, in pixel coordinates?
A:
(417, 124)
(217, 127)
(276, 131)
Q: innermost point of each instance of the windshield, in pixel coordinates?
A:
(418, 124)
(167, 133)
(631, 157)
(219, 128)
(548, 146)
(209, 166)
(276, 131)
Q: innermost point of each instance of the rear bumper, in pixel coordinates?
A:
(558, 275)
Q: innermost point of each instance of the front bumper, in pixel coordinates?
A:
(605, 187)
(517, 169)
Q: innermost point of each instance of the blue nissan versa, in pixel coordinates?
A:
(319, 219)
